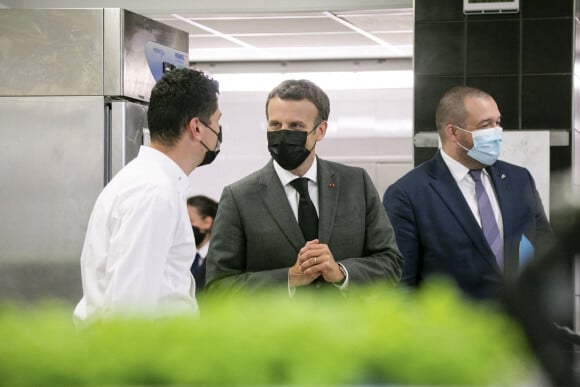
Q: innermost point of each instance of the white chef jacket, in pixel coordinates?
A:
(139, 246)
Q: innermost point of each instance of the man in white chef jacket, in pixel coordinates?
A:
(139, 246)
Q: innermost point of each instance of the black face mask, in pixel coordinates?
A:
(198, 235)
(210, 155)
(288, 147)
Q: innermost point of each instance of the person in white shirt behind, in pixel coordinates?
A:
(139, 246)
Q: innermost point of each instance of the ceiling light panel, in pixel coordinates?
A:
(182, 25)
(197, 42)
(272, 24)
(296, 35)
(307, 40)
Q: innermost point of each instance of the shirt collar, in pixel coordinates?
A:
(169, 166)
(286, 176)
(458, 170)
(202, 251)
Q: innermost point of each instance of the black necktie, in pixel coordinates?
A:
(307, 217)
(196, 263)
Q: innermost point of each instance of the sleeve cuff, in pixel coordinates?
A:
(343, 285)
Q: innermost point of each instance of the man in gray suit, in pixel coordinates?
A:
(258, 238)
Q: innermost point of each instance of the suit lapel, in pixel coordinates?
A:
(446, 188)
(504, 191)
(272, 193)
(328, 188)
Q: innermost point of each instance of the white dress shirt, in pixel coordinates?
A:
(202, 251)
(286, 177)
(139, 246)
(467, 186)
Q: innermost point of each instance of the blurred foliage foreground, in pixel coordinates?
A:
(376, 336)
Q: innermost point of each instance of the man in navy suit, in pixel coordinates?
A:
(442, 227)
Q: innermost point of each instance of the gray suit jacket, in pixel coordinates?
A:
(256, 238)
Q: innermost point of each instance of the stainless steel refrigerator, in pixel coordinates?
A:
(74, 88)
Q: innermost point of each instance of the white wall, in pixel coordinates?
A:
(368, 128)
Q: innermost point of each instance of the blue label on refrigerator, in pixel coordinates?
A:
(162, 58)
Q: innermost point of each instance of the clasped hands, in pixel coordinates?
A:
(314, 260)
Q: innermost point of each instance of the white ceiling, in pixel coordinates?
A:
(386, 33)
(279, 30)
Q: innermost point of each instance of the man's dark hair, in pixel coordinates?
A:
(300, 89)
(205, 206)
(179, 96)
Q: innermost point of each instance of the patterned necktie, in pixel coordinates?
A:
(307, 217)
(488, 222)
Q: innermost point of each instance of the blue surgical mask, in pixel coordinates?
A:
(486, 144)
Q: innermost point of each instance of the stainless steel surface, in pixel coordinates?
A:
(431, 139)
(127, 122)
(63, 73)
(559, 137)
(426, 140)
(112, 52)
(52, 171)
(575, 172)
(148, 7)
(142, 37)
(109, 52)
(51, 52)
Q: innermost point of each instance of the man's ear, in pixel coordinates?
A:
(193, 128)
(450, 132)
(209, 222)
(321, 130)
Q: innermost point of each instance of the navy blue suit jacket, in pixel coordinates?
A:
(438, 234)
